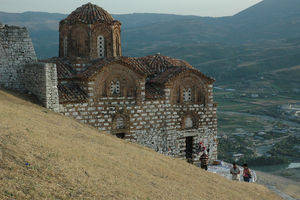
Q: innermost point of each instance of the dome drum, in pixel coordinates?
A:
(90, 32)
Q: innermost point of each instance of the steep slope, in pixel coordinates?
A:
(44, 155)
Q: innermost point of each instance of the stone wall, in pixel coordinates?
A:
(41, 80)
(157, 124)
(16, 49)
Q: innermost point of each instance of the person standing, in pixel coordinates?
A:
(204, 160)
(246, 173)
(235, 172)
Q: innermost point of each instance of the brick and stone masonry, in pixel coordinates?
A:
(160, 102)
(16, 49)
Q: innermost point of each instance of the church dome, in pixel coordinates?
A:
(89, 14)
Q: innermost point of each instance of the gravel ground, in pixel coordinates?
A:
(287, 189)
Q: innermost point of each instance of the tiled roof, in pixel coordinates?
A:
(132, 63)
(70, 92)
(89, 14)
(153, 91)
(169, 73)
(158, 63)
(96, 66)
(64, 68)
(137, 64)
(156, 69)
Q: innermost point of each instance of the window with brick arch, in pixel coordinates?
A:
(118, 45)
(187, 94)
(115, 87)
(201, 98)
(120, 123)
(101, 46)
(65, 43)
(188, 123)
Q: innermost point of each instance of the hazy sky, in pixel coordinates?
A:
(184, 7)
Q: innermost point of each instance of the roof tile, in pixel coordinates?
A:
(89, 14)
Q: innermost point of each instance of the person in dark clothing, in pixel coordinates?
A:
(204, 160)
(246, 173)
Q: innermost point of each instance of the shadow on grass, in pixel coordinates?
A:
(25, 96)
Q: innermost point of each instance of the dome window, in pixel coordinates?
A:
(100, 46)
(65, 47)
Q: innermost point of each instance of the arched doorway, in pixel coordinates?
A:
(120, 126)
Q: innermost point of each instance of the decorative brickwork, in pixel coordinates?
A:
(79, 34)
(158, 122)
(157, 101)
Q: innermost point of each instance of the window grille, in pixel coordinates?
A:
(100, 44)
(115, 87)
(187, 95)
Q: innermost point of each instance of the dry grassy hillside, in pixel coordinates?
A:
(44, 155)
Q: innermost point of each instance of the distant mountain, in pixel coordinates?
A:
(267, 20)
(244, 46)
(43, 29)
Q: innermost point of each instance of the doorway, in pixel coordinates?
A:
(189, 149)
(120, 135)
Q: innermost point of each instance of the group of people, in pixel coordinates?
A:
(235, 172)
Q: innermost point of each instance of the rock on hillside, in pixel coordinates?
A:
(48, 156)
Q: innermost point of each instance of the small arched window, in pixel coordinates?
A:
(65, 43)
(187, 94)
(188, 123)
(115, 87)
(100, 46)
(120, 123)
(118, 45)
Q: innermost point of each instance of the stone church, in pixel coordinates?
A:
(160, 102)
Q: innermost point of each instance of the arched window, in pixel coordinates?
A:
(120, 123)
(187, 94)
(201, 97)
(118, 45)
(65, 43)
(178, 96)
(188, 123)
(115, 87)
(100, 46)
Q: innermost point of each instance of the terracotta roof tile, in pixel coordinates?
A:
(64, 68)
(158, 63)
(70, 92)
(89, 14)
(137, 64)
(168, 74)
(153, 91)
(132, 63)
(94, 68)
(156, 69)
